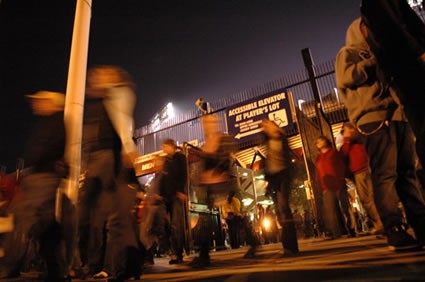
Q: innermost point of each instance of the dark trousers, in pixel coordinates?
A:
(177, 220)
(337, 203)
(393, 163)
(106, 228)
(34, 215)
(208, 194)
(234, 230)
(280, 185)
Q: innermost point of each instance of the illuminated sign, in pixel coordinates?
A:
(244, 119)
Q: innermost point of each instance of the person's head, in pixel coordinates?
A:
(349, 130)
(158, 163)
(271, 129)
(323, 144)
(210, 124)
(100, 78)
(367, 34)
(199, 101)
(230, 196)
(169, 146)
(45, 103)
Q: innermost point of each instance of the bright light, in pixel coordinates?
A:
(163, 115)
(266, 202)
(170, 110)
(246, 202)
(300, 102)
(266, 223)
(337, 95)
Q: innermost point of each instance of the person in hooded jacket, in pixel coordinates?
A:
(398, 34)
(374, 108)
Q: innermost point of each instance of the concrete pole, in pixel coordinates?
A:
(75, 90)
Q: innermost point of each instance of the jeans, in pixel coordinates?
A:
(393, 163)
(177, 220)
(280, 184)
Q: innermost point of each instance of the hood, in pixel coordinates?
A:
(354, 36)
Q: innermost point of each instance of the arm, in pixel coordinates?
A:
(353, 70)
(119, 104)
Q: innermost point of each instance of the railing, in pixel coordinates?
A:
(187, 127)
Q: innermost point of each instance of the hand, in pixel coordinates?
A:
(128, 159)
(181, 196)
(421, 58)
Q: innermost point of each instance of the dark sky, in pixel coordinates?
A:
(175, 50)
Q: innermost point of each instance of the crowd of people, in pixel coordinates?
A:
(381, 153)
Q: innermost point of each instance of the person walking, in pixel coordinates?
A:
(357, 157)
(330, 178)
(374, 108)
(279, 175)
(34, 206)
(175, 170)
(216, 181)
(108, 151)
(231, 211)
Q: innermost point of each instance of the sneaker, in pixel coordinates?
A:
(289, 253)
(250, 253)
(399, 240)
(176, 260)
(101, 275)
(199, 262)
(351, 233)
(376, 231)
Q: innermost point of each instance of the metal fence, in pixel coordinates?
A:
(186, 127)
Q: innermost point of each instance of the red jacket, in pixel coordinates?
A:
(356, 156)
(330, 170)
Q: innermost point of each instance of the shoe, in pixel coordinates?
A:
(289, 253)
(351, 233)
(199, 262)
(101, 275)
(399, 240)
(250, 253)
(176, 260)
(376, 231)
(149, 261)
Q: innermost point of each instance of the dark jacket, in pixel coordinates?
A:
(46, 146)
(175, 172)
(400, 37)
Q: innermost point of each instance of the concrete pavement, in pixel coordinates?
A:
(364, 258)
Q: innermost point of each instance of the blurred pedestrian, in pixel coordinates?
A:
(155, 221)
(357, 157)
(109, 152)
(231, 211)
(34, 206)
(330, 177)
(175, 171)
(279, 175)
(375, 110)
(216, 181)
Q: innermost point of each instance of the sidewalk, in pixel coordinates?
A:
(364, 258)
(349, 259)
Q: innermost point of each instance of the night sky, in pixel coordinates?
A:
(176, 51)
